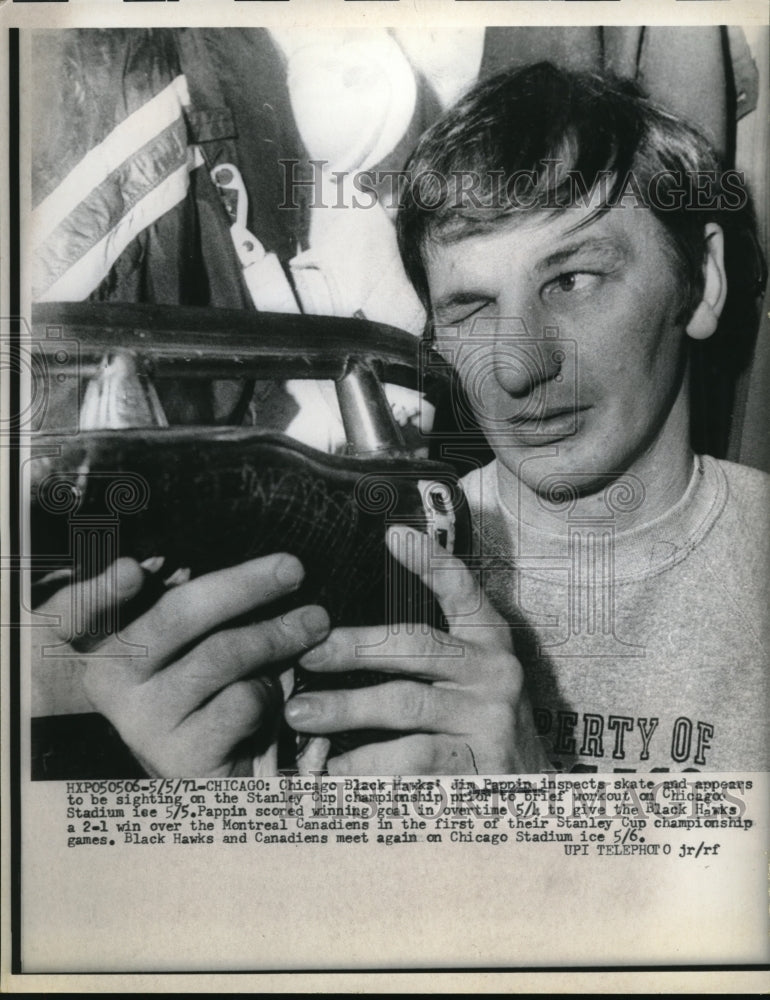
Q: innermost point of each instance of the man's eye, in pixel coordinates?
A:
(570, 281)
(461, 314)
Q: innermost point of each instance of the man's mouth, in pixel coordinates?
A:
(555, 420)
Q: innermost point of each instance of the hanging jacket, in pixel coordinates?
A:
(124, 208)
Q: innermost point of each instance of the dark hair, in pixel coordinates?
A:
(563, 134)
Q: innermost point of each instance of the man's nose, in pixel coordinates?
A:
(526, 356)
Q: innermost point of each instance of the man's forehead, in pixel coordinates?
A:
(460, 220)
(537, 232)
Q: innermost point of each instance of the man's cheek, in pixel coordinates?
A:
(475, 376)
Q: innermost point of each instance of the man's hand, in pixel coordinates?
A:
(458, 705)
(194, 690)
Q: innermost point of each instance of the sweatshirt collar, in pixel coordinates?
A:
(645, 550)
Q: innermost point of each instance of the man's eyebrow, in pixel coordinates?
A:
(603, 246)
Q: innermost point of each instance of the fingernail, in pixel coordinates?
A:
(153, 564)
(315, 621)
(315, 656)
(289, 572)
(300, 710)
(181, 575)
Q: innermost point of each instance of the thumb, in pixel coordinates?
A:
(462, 599)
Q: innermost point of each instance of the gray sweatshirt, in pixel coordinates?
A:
(647, 649)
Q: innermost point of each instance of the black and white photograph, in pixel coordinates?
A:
(386, 434)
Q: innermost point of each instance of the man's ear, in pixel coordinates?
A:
(704, 320)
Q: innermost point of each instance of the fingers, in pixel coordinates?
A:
(462, 600)
(404, 706)
(237, 712)
(408, 755)
(229, 655)
(189, 611)
(87, 609)
(187, 704)
(204, 742)
(400, 649)
(223, 658)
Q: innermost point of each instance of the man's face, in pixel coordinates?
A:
(610, 395)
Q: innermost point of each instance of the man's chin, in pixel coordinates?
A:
(554, 470)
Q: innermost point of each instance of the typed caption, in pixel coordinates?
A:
(618, 816)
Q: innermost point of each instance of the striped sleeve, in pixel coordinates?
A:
(116, 158)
